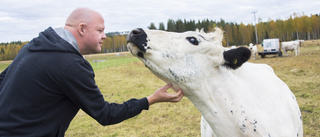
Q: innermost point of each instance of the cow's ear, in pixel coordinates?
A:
(234, 58)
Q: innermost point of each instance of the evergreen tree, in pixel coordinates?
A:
(152, 26)
(161, 26)
(171, 26)
(180, 26)
(190, 25)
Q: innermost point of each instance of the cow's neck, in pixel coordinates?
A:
(205, 103)
(210, 98)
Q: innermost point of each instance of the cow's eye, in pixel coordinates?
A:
(193, 40)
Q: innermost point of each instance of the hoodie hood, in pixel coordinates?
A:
(49, 40)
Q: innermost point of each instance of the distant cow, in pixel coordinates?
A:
(254, 50)
(290, 46)
(236, 98)
(300, 41)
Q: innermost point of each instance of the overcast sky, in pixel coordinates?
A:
(24, 19)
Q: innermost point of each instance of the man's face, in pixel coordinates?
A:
(94, 36)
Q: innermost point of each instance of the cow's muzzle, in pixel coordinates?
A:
(139, 38)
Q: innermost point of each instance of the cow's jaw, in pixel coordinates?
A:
(166, 76)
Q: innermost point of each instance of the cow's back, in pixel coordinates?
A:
(255, 103)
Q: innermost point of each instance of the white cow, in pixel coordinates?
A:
(235, 98)
(254, 50)
(290, 46)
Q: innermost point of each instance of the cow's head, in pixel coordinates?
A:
(184, 58)
(250, 46)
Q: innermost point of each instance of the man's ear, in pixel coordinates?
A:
(234, 58)
(82, 28)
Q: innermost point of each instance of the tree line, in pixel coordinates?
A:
(9, 51)
(296, 27)
(114, 42)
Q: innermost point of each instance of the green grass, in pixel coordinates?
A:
(99, 61)
(124, 77)
(4, 65)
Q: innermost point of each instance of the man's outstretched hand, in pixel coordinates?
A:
(161, 95)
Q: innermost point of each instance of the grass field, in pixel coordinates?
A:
(122, 77)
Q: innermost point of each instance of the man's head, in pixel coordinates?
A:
(87, 26)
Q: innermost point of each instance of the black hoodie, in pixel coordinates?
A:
(45, 86)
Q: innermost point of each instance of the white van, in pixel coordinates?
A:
(271, 46)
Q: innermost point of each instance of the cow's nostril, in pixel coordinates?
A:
(136, 31)
(132, 35)
(139, 38)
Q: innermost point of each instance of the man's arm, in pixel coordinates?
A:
(79, 86)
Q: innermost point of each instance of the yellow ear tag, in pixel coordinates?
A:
(235, 61)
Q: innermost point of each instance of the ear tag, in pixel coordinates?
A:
(235, 61)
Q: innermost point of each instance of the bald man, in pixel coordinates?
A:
(49, 81)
